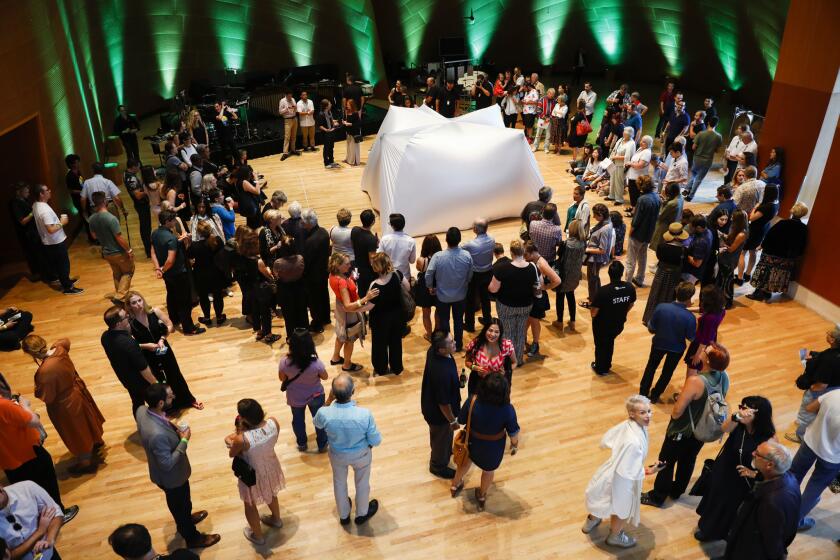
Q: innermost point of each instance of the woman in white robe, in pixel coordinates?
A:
(616, 488)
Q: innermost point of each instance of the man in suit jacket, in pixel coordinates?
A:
(316, 255)
(166, 451)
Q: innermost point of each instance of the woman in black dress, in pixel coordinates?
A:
(424, 300)
(493, 420)
(208, 276)
(150, 326)
(577, 140)
(387, 319)
(249, 197)
(760, 219)
(291, 293)
(257, 284)
(731, 477)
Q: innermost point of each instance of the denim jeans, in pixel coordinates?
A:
(698, 173)
(824, 473)
(299, 421)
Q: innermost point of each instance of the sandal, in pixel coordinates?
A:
(259, 335)
(271, 338)
(481, 500)
(455, 490)
(352, 368)
(585, 304)
(198, 405)
(340, 360)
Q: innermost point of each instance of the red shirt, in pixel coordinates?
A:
(17, 438)
(495, 363)
(337, 282)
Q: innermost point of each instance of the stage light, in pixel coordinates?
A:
(722, 21)
(77, 72)
(232, 22)
(414, 16)
(167, 27)
(768, 25)
(297, 18)
(358, 15)
(113, 29)
(665, 19)
(480, 29)
(549, 19)
(605, 21)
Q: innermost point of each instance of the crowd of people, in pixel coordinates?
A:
(286, 266)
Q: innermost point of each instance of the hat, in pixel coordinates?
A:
(675, 231)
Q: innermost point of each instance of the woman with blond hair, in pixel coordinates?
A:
(340, 235)
(387, 321)
(208, 277)
(514, 284)
(70, 406)
(197, 128)
(615, 490)
(150, 327)
(349, 308)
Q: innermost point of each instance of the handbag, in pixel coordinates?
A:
(701, 486)
(286, 382)
(357, 330)
(460, 443)
(409, 306)
(583, 127)
(244, 471)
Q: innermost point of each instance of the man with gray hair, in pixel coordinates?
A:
(748, 194)
(480, 249)
(316, 256)
(352, 433)
(766, 521)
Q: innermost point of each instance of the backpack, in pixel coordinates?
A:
(709, 426)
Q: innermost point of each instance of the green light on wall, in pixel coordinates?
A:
(723, 25)
(65, 24)
(605, 21)
(664, 18)
(549, 20)
(167, 28)
(297, 19)
(414, 16)
(485, 15)
(358, 14)
(83, 31)
(232, 22)
(768, 24)
(113, 29)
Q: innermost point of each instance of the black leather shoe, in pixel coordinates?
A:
(648, 501)
(446, 472)
(346, 520)
(373, 507)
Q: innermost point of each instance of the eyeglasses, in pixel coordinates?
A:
(757, 454)
(742, 406)
(13, 522)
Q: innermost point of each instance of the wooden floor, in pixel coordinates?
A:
(535, 508)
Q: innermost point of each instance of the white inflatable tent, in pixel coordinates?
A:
(441, 172)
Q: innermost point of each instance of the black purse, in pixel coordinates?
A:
(701, 486)
(244, 471)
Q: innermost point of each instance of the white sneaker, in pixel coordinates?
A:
(589, 524)
(621, 540)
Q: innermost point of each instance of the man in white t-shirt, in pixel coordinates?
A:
(99, 183)
(749, 146)
(306, 111)
(288, 112)
(820, 445)
(588, 96)
(399, 246)
(529, 110)
(51, 231)
(732, 152)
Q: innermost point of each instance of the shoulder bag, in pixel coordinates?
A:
(409, 306)
(460, 444)
(243, 471)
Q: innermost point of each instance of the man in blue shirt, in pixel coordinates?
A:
(698, 250)
(481, 251)
(448, 276)
(352, 433)
(726, 206)
(671, 324)
(641, 231)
